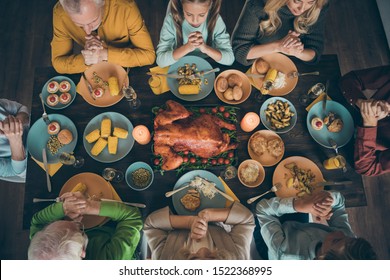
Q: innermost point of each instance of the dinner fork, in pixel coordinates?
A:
(44, 115)
(57, 199)
(333, 143)
(295, 74)
(273, 189)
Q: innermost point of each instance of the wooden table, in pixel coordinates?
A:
(298, 141)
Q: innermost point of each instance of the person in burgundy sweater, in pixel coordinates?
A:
(372, 144)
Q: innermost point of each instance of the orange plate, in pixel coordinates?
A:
(265, 159)
(260, 178)
(246, 87)
(283, 64)
(96, 185)
(281, 174)
(104, 70)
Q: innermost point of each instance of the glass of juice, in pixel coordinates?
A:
(335, 162)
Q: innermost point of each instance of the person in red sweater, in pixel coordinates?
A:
(372, 144)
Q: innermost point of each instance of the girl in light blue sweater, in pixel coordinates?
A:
(194, 27)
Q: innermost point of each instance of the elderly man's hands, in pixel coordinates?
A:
(94, 50)
(199, 228)
(319, 205)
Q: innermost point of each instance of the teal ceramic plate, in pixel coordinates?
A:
(59, 79)
(124, 145)
(38, 136)
(133, 167)
(218, 201)
(207, 81)
(267, 124)
(322, 136)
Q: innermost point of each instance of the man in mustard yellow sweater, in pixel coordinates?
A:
(111, 31)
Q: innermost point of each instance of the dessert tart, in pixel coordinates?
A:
(65, 97)
(317, 123)
(98, 92)
(52, 87)
(64, 86)
(52, 99)
(53, 128)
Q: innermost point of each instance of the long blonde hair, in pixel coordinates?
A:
(176, 8)
(302, 23)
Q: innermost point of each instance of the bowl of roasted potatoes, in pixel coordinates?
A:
(232, 87)
(278, 114)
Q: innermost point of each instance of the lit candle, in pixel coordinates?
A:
(250, 121)
(141, 134)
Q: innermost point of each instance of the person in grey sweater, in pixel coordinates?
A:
(294, 28)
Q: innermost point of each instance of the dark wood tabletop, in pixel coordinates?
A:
(298, 141)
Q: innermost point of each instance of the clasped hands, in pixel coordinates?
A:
(319, 205)
(12, 128)
(199, 225)
(94, 50)
(373, 110)
(291, 44)
(75, 205)
(195, 41)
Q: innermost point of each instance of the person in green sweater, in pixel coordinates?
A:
(291, 27)
(54, 238)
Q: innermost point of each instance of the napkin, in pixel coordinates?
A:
(53, 167)
(164, 84)
(229, 192)
(318, 99)
(251, 79)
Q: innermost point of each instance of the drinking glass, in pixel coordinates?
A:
(259, 97)
(131, 97)
(230, 172)
(70, 159)
(111, 174)
(335, 162)
(313, 93)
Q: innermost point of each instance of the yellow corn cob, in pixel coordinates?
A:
(120, 132)
(105, 128)
(112, 144)
(99, 146)
(113, 85)
(189, 89)
(269, 80)
(80, 187)
(93, 136)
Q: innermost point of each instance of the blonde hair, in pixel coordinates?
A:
(220, 254)
(176, 9)
(61, 240)
(302, 23)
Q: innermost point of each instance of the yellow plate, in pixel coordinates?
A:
(104, 70)
(283, 64)
(266, 159)
(281, 175)
(97, 188)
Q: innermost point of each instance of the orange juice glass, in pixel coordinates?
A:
(335, 162)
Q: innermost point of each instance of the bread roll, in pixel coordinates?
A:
(93, 136)
(105, 128)
(99, 146)
(65, 136)
(222, 84)
(228, 94)
(237, 93)
(112, 144)
(262, 66)
(234, 80)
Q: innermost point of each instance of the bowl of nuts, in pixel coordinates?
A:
(232, 87)
(139, 176)
(278, 114)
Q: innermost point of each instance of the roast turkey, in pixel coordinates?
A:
(175, 130)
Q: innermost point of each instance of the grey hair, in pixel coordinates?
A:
(74, 6)
(61, 240)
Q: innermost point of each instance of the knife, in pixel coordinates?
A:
(88, 86)
(44, 156)
(139, 205)
(332, 183)
(325, 97)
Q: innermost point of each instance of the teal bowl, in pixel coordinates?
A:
(133, 168)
